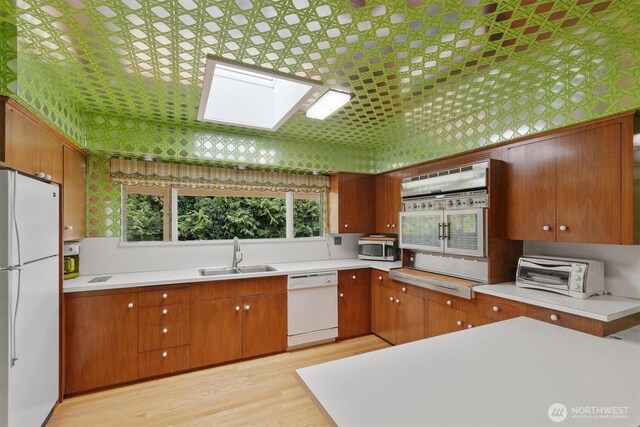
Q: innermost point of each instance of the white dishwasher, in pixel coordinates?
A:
(312, 302)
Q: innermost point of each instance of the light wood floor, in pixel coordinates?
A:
(257, 392)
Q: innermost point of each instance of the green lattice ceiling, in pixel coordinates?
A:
(414, 66)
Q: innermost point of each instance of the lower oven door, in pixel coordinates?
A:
(464, 232)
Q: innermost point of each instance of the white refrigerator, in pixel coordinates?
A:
(29, 299)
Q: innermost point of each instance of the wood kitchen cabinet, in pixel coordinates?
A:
(388, 203)
(101, 346)
(447, 313)
(351, 203)
(398, 310)
(237, 319)
(572, 187)
(354, 303)
(74, 198)
(30, 146)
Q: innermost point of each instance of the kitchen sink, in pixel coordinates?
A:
(238, 270)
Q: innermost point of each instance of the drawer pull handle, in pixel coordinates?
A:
(247, 307)
(341, 295)
(404, 289)
(237, 308)
(397, 301)
(546, 228)
(165, 296)
(449, 302)
(165, 354)
(459, 323)
(496, 308)
(391, 299)
(165, 311)
(553, 317)
(130, 305)
(469, 326)
(380, 278)
(165, 330)
(563, 228)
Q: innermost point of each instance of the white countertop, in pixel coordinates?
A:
(191, 275)
(504, 374)
(599, 307)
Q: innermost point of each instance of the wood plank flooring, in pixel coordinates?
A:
(259, 392)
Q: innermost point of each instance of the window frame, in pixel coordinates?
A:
(170, 212)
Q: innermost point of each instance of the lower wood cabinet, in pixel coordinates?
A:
(442, 319)
(398, 311)
(114, 337)
(101, 345)
(354, 303)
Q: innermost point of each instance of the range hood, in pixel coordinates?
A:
(457, 180)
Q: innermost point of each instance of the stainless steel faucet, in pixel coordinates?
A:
(236, 252)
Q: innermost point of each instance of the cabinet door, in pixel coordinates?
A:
(101, 341)
(442, 319)
(388, 203)
(350, 203)
(74, 195)
(383, 316)
(409, 318)
(589, 193)
(216, 331)
(531, 191)
(354, 303)
(22, 140)
(264, 325)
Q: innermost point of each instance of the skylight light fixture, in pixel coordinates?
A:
(247, 96)
(327, 104)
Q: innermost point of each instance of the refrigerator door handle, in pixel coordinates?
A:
(13, 319)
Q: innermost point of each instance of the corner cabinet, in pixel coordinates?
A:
(388, 203)
(74, 187)
(574, 186)
(351, 203)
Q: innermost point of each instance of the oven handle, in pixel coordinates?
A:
(440, 231)
(446, 227)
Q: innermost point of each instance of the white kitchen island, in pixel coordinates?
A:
(504, 374)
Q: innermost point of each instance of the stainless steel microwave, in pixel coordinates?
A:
(578, 278)
(378, 248)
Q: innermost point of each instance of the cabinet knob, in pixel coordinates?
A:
(130, 305)
(69, 227)
(341, 295)
(165, 354)
(165, 330)
(397, 301)
(546, 228)
(449, 302)
(380, 278)
(165, 296)
(353, 277)
(459, 323)
(165, 311)
(247, 307)
(563, 228)
(404, 289)
(496, 308)
(388, 225)
(40, 174)
(346, 226)
(469, 326)
(47, 177)
(237, 308)
(393, 226)
(391, 299)
(553, 317)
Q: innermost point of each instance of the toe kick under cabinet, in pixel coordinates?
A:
(118, 336)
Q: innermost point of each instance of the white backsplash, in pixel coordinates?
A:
(103, 255)
(621, 262)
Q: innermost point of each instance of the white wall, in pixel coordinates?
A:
(102, 255)
(621, 263)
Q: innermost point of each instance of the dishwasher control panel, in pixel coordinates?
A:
(312, 280)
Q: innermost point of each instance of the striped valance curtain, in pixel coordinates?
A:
(140, 172)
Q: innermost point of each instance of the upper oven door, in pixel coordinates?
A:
(421, 231)
(464, 232)
(544, 272)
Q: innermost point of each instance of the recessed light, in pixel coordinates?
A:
(327, 104)
(253, 97)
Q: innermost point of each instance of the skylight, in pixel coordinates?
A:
(241, 95)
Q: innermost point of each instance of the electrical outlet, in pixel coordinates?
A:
(337, 240)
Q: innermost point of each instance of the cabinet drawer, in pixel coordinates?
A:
(448, 300)
(164, 297)
(164, 314)
(571, 321)
(498, 310)
(163, 361)
(153, 337)
(359, 276)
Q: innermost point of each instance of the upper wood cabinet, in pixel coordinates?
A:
(74, 189)
(29, 146)
(388, 203)
(351, 199)
(576, 186)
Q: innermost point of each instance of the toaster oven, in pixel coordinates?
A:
(578, 278)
